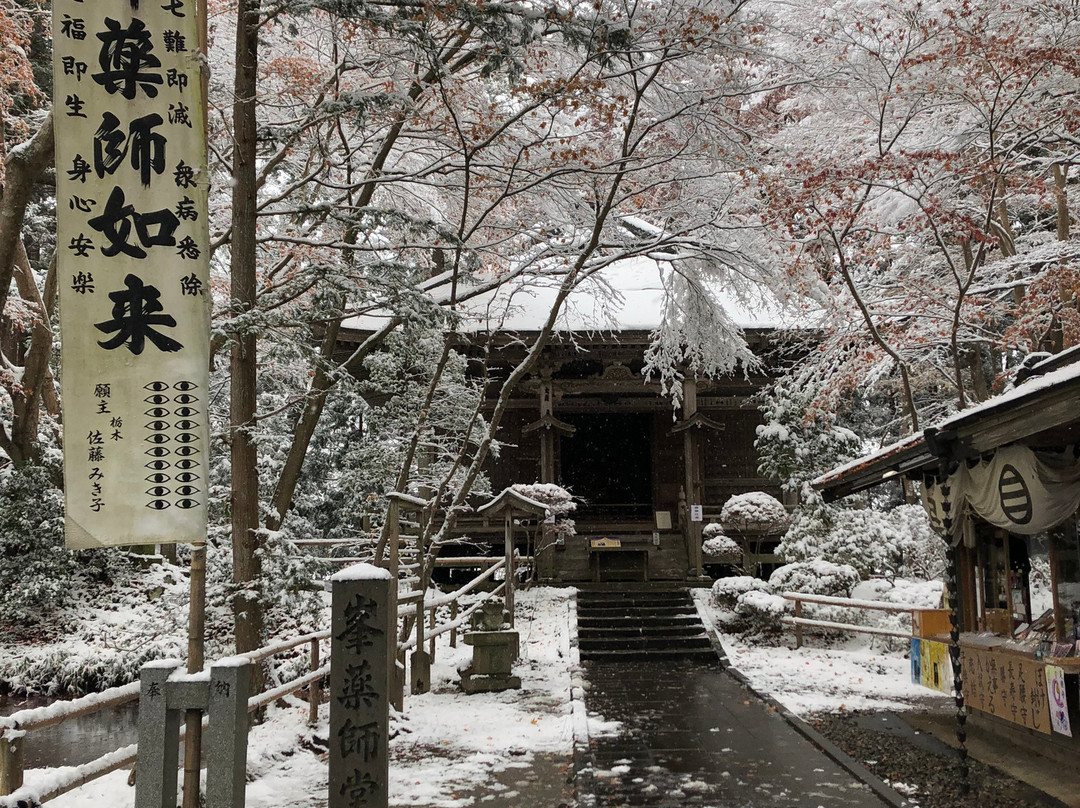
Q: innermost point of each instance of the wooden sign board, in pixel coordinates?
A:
(1006, 685)
(605, 543)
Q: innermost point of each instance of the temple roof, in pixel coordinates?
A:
(628, 295)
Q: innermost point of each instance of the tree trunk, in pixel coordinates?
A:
(22, 168)
(247, 607)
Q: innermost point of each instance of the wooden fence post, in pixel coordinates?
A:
(393, 519)
(315, 688)
(420, 676)
(453, 618)
(508, 593)
(431, 642)
(798, 626)
(11, 764)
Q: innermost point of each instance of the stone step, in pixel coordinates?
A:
(677, 595)
(628, 655)
(681, 630)
(667, 612)
(616, 621)
(651, 643)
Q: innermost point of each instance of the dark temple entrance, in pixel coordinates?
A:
(608, 464)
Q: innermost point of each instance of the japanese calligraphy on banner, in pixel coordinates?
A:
(132, 244)
(1006, 685)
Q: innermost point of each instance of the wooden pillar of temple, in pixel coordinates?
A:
(547, 435)
(550, 428)
(692, 477)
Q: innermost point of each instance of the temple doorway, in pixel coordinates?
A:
(608, 464)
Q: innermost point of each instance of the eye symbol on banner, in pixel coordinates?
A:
(1014, 495)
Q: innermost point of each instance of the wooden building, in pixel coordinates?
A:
(587, 419)
(1002, 482)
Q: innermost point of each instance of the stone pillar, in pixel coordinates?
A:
(362, 659)
(159, 738)
(227, 733)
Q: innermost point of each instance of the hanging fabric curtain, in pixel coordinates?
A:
(1015, 488)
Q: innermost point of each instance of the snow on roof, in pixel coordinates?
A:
(628, 295)
(1029, 388)
(883, 453)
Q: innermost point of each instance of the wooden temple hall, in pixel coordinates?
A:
(647, 477)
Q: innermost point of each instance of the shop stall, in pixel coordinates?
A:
(1001, 483)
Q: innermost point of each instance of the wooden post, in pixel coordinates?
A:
(508, 592)
(195, 662)
(315, 688)
(1059, 613)
(453, 618)
(547, 437)
(798, 626)
(431, 642)
(393, 520)
(11, 764)
(420, 678)
(691, 477)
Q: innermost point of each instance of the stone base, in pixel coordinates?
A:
(477, 683)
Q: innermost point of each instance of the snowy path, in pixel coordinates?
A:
(691, 735)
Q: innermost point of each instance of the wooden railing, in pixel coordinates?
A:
(416, 606)
(14, 727)
(799, 622)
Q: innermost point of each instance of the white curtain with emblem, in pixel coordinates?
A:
(1015, 488)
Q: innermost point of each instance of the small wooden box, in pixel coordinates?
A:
(998, 622)
(930, 622)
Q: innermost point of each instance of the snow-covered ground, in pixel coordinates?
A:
(450, 747)
(446, 744)
(854, 674)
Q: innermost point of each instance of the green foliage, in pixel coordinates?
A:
(797, 442)
(35, 568)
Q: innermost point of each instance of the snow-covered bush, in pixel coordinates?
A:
(798, 440)
(816, 577)
(754, 511)
(922, 550)
(727, 591)
(35, 568)
(717, 544)
(760, 612)
(559, 502)
(712, 531)
(895, 542)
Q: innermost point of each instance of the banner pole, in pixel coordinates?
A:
(197, 597)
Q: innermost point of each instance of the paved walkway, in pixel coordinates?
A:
(691, 735)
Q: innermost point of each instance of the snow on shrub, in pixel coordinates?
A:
(721, 545)
(556, 499)
(860, 538)
(755, 511)
(712, 531)
(922, 550)
(727, 591)
(816, 577)
(760, 612)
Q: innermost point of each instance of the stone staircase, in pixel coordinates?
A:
(620, 623)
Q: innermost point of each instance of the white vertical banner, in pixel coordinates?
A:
(133, 269)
